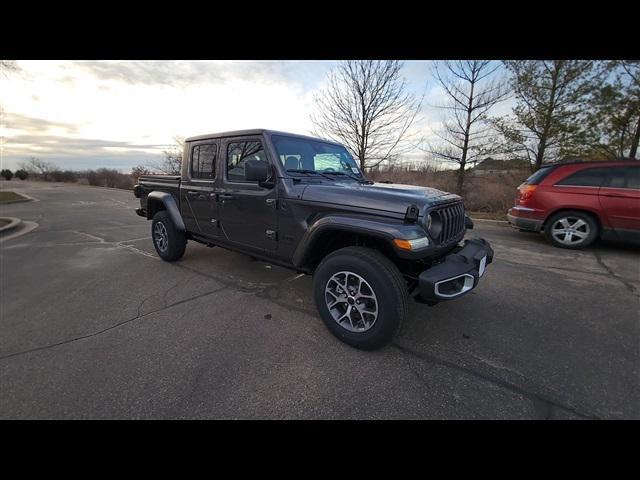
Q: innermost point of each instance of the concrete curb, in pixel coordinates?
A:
(17, 201)
(13, 223)
(24, 228)
(488, 220)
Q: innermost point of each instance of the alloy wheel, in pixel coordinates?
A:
(351, 301)
(570, 230)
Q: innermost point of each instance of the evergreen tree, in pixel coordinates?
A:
(551, 118)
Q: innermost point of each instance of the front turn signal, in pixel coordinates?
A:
(414, 244)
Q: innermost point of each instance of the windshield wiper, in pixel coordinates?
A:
(359, 180)
(309, 172)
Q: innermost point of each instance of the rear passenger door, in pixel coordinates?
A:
(620, 200)
(200, 207)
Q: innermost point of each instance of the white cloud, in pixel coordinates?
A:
(122, 113)
(148, 103)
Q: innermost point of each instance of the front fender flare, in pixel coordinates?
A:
(385, 230)
(156, 199)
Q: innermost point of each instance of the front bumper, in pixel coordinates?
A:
(458, 274)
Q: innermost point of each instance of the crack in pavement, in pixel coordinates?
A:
(262, 291)
(166, 292)
(542, 403)
(273, 294)
(613, 274)
(97, 241)
(124, 322)
(250, 288)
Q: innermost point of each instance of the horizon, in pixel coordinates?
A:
(84, 115)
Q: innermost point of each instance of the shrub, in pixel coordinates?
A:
(105, 177)
(139, 170)
(63, 176)
(483, 193)
(7, 174)
(490, 194)
(22, 174)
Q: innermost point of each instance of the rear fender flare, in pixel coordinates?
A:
(164, 201)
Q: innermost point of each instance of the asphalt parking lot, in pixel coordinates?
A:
(94, 325)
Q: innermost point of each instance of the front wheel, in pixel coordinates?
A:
(571, 229)
(361, 297)
(170, 242)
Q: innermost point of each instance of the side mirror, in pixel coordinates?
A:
(258, 171)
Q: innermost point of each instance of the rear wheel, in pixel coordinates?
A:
(361, 297)
(170, 242)
(571, 229)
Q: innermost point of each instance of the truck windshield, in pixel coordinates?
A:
(298, 154)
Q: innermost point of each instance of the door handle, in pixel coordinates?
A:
(617, 195)
(192, 193)
(226, 196)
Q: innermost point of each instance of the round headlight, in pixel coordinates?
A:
(434, 225)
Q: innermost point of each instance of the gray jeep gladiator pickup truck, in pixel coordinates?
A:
(302, 203)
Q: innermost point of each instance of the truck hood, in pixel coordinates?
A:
(379, 196)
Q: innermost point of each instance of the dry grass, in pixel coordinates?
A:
(10, 197)
(491, 193)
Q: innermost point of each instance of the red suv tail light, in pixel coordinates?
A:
(526, 192)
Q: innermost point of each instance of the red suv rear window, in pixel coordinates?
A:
(538, 176)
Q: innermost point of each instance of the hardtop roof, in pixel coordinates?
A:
(255, 131)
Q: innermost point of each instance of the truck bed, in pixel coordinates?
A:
(162, 183)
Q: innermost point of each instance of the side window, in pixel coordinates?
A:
(633, 177)
(625, 177)
(589, 177)
(203, 161)
(238, 153)
(617, 178)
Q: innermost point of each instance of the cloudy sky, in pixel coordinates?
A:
(118, 114)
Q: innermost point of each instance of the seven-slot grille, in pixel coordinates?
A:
(452, 222)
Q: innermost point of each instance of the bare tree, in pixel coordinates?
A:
(366, 107)
(470, 92)
(8, 66)
(172, 161)
(138, 171)
(42, 167)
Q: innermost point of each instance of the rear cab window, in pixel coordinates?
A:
(203, 161)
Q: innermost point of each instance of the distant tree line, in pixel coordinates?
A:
(42, 170)
(563, 109)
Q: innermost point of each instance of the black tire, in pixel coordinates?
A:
(588, 229)
(176, 241)
(387, 283)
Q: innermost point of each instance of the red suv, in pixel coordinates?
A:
(575, 203)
